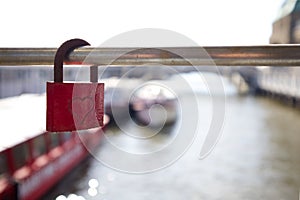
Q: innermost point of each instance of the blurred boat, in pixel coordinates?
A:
(115, 104)
(117, 97)
(32, 160)
(154, 105)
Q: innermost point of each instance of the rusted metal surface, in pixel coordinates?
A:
(269, 55)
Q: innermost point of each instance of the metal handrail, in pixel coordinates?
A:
(268, 55)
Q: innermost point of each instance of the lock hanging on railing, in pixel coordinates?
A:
(73, 106)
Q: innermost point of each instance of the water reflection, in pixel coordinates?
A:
(257, 157)
(93, 183)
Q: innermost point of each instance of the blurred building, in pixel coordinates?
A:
(285, 81)
(286, 27)
(19, 80)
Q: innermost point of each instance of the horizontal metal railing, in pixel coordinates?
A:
(268, 55)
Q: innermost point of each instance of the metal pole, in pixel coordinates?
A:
(94, 74)
(269, 55)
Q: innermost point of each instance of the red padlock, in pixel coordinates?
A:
(73, 106)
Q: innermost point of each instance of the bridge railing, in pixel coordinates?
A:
(268, 55)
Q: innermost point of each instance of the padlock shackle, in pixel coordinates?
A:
(62, 54)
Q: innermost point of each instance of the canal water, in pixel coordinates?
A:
(257, 156)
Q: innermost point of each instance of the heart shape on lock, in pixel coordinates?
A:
(80, 108)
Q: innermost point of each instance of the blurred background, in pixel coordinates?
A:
(162, 112)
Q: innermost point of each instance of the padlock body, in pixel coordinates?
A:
(74, 106)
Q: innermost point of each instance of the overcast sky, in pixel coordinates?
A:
(29, 23)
